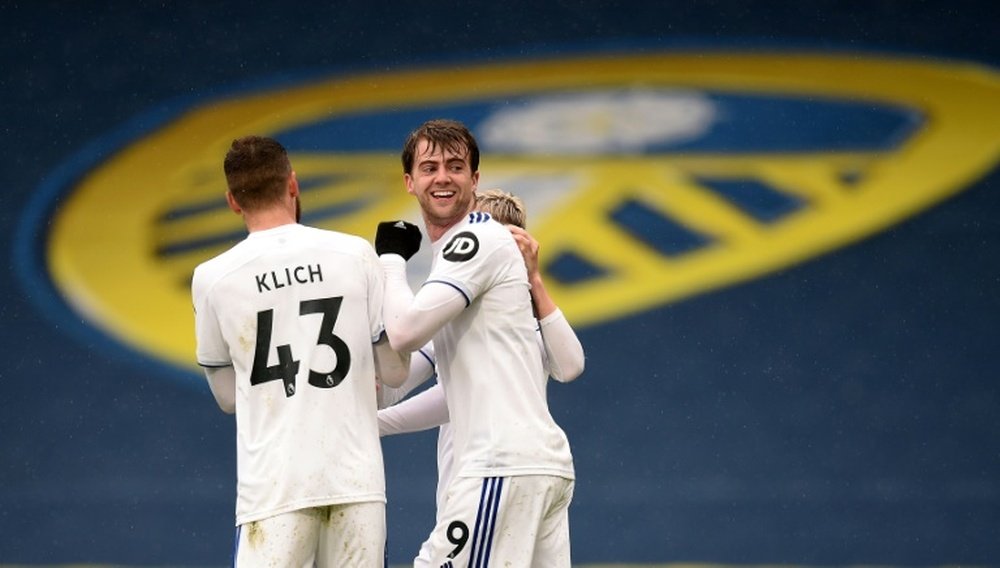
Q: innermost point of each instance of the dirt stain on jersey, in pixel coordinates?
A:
(255, 534)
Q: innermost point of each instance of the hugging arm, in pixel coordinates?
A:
(392, 367)
(563, 350)
(422, 411)
(412, 320)
(421, 369)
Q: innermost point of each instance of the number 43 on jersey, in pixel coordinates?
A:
(288, 367)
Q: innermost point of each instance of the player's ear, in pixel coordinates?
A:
(408, 180)
(293, 185)
(235, 207)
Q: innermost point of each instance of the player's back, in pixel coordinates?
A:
(298, 309)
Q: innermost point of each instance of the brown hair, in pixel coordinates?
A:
(257, 170)
(445, 134)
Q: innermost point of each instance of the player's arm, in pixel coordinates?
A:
(563, 350)
(421, 369)
(540, 299)
(422, 411)
(222, 382)
(392, 367)
(212, 352)
(411, 320)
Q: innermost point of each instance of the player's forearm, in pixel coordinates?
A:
(222, 382)
(562, 347)
(403, 334)
(391, 367)
(543, 303)
(421, 369)
(423, 411)
(412, 320)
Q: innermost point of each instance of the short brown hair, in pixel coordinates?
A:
(506, 208)
(257, 170)
(445, 134)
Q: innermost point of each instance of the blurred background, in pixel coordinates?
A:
(774, 226)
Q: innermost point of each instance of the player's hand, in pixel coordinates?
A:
(397, 237)
(528, 246)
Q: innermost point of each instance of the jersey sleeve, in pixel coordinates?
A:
(563, 352)
(467, 262)
(423, 411)
(470, 261)
(376, 290)
(211, 350)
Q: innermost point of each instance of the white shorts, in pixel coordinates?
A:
(347, 536)
(502, 521)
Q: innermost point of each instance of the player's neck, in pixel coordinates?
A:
(436, 228)
(264, 220)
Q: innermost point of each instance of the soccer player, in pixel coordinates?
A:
(564, 357)
(289, 331)
(508, 503)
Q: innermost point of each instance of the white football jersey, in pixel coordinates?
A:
(489, 360)
(295, 310)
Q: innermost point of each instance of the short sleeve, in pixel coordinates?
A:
(211, 350)
(467, 260)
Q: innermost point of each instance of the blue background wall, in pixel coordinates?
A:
(779, 421)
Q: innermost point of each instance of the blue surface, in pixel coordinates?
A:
(841, 412)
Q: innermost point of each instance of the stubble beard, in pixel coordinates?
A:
(444, 219)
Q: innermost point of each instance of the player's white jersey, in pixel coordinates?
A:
(428, 408)
(295, 310)
(489, 361)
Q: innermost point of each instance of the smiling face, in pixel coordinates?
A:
(444, 184)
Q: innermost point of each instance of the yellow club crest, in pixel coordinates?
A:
(648, 178)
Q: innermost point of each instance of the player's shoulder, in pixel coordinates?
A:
(339, 241)
(210, 271)
(482, 223)
(479, 218)
(478, 236)
(220, 263)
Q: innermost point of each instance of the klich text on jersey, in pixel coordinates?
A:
(280, 278)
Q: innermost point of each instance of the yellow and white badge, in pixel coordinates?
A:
(648, 178)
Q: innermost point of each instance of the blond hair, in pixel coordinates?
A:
(506, 208)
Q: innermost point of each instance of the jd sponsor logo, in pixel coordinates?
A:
(648, 178)
(461, 247)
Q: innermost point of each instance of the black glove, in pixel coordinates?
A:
(397, 237)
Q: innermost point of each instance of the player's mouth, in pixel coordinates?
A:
(442, 194)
